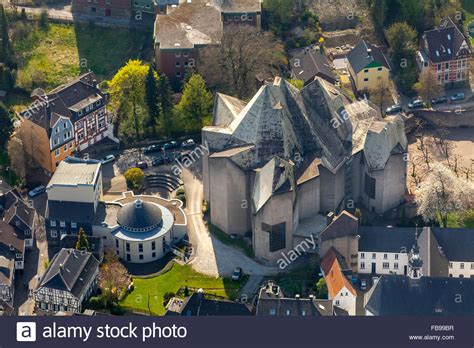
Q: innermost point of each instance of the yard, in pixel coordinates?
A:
(148, 293)
(51, 55)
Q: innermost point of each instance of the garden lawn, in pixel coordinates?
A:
(147, 295)
(55, 54)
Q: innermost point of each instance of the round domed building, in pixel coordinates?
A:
(141, 228)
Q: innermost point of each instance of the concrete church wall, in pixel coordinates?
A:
(309, 198)
(332, 189)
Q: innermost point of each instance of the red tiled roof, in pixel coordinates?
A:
(335, 279)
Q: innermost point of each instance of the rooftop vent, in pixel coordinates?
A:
(138, 204)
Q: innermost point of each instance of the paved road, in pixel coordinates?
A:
(212, 257)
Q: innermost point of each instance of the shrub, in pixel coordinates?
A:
(167, 297)
(134, 178)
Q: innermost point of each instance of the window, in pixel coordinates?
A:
(236, 18)
(153, 245)
(186, 54)
(65, 147)
(107, 2)
(54, 233)
(57, 130)
(369, 186)
(185, 64)
(140, 256)
(62, 232)
(178, 64)
(385, 256)
(177, 54)
(439, 67)
(472, 265)
(128, 257)
(57, 152)
(450, 265)
(127, 247)
(374, 256)
(73, 224)
(273, 311)
(140, 247)
(395, 265)
(27, 232)
(277, 235)
(362, 265)
(379, 69)
(337, 302)
(461, 276)
(362, 255)
(366, 79)
(62, 223)
(461, 265)
(153, 254)
(250, 18)
(116, 243)
(446, 65)
(396, 256)
(385, 265)
(52, 223)
(366, 71)
(178, 74)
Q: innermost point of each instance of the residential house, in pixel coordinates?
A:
(308, 62)
(185, 28)
(272, 302)
(73, 193)
(198, 305)
(69, 118)
(21, 217)
(69, 281)
(340, 289)
(13, 243)
(103, 8)
(369, 67)
(418, 294)
(7, 281)
(446, 53)
(295, 155)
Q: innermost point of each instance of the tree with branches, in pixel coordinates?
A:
(113, 277)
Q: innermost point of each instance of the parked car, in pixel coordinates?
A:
(142, 164)
(36, 191)
(415, 104)
(108, 159)
(457, 97)
(171, 145)
(363, 284)
(394, 109)
(237, 274)
(439, 100)
(157, 161)
(151, 149)
(188, 143)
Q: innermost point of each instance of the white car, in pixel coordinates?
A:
(36, 191)
(188, 143)
(108, 159)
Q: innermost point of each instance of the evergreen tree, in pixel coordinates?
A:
(195, 105)
(5, 44)
(82, 242)
(166, 103)
(152, 95)
(8, 80)
(6, 127)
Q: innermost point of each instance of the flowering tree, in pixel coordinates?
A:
(113, 277)
(443, 193)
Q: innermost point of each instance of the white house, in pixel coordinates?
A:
(340, 288)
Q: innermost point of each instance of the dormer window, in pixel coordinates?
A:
(79, 112)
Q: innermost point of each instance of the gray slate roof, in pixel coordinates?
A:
(383, 239)
(359, 58)
(456, 243)
(70, 211)
(139, 215)
(444, 43)
(307, 63)
(198, 305)
(401, 295)
(70, 270)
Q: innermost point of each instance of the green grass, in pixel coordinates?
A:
(57, 53)
(147, 295)
(237, 243)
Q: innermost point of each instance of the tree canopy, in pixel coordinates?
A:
(6, 126)
(134, 178)
(82, 242)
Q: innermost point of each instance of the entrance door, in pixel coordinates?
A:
(405, 270)
(374, 267)
(107, 12)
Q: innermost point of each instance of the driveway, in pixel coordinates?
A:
(212, 257)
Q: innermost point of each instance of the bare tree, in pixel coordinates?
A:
(380, 95)
(428, 87)
(113, 277)
(242, 53)
(442, 193)
(422, 146)
(16, 155)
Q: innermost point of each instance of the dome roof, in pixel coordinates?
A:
(139, 216)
